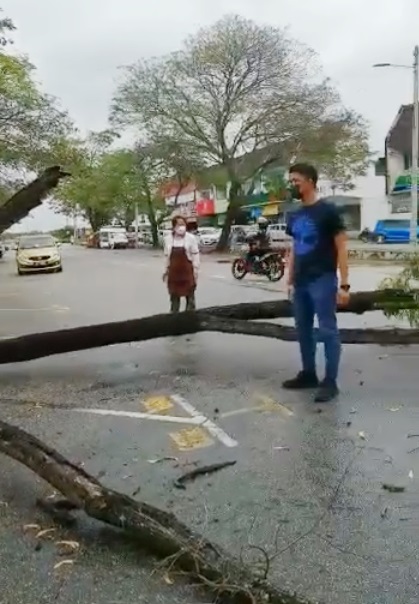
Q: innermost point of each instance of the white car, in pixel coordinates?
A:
(208, 236)
(276, 233)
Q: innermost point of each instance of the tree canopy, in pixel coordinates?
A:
(108, 184)
(242, 96)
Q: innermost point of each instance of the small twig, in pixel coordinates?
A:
(204, 470)
(413, 436)
(413, 450)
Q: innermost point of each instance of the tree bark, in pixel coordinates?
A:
(33, 346)
(157, 531)
(25, 200)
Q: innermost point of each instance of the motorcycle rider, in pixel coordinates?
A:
(261, 242)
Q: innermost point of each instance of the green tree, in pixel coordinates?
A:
(341, 151)
(239, 95)
(86, 193)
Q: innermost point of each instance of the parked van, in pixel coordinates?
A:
(113, 238)
(393, 231)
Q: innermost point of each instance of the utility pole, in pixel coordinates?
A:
(415, 158)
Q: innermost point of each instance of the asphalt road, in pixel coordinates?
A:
(308, 482)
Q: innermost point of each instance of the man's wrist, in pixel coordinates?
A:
(344, 286)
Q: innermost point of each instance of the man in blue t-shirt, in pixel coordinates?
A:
(319, 248)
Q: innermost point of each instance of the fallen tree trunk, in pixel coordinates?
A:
(157, 531)
(34, 346)
(25, 200)
(383, 337)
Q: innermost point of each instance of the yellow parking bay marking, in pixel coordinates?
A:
(272, 405)
(191, 438)
(158, 404)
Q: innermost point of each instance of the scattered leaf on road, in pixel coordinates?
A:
(65, 548)
(160, 459)
(168, 580)
(281, 448)
(411, 474)
(31, 527)
(45, 533)
(394, 409)
(362, 435)
(63, 563)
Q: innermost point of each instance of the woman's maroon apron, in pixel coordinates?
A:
(180, 277)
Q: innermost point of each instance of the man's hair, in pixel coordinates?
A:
(307, 170)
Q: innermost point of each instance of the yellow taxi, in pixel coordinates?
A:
(38, 254)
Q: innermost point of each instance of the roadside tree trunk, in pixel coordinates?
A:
(233, 206)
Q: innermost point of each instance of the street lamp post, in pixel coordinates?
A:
(415, 158)
(415, 142)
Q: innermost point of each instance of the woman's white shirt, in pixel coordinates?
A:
(189, 242)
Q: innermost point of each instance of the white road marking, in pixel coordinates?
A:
(54, 308)
(194, 421)
(212, 428)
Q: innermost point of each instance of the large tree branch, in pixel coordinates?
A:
(31, 196)
(33, 346)
(157, 531)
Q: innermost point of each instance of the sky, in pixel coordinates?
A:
(78, 48)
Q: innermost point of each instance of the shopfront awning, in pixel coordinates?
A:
(270, 209)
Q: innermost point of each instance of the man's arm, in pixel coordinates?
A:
(342, 253)
(337, 227)
(290, 255)
(291, 267)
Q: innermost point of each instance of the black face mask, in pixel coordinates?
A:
(295, 192)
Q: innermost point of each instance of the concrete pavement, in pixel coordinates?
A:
(308, 482)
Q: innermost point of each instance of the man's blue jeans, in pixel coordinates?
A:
(318, 298)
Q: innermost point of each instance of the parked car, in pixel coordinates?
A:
(38, 253)
(393, 231)
(208, 236)
(276, 233)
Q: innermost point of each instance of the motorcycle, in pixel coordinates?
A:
(270, 265)
(367, 236)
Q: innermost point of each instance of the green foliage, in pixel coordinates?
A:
(407, 281)
(109, 184)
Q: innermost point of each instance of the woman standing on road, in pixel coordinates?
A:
(182, 264)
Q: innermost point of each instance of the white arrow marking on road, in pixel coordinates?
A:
(212, 428)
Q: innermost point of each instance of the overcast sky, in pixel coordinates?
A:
(78, 46)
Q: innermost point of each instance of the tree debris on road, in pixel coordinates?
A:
(157, 531)
(202, 471)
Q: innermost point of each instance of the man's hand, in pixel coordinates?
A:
(342, 297)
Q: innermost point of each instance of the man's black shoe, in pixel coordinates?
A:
(303, 381)
(326, 393)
